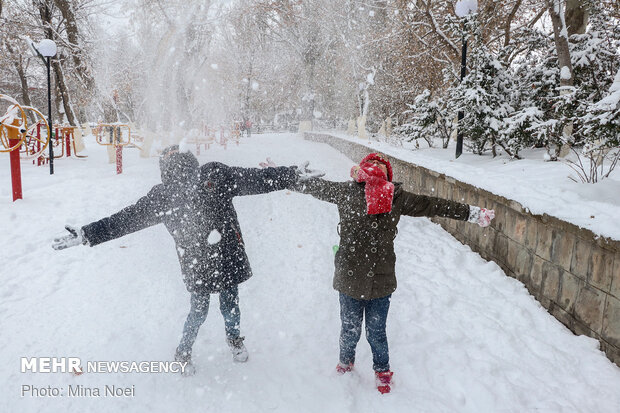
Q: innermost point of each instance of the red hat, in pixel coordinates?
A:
(381, 158)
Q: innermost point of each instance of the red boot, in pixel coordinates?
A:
(383, 380)
(344, 368)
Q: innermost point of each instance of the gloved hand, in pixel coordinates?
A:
(268, 164)
(480, 216)
(74, 238)
(305, 174)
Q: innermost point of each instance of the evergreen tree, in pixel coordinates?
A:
(484, 96)
(427, 119)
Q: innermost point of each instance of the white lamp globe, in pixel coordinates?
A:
(47, 47)
(465, 7)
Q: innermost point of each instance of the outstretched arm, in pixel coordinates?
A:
(427, 206)
(148, 211)
(322, 189)
(253, 181)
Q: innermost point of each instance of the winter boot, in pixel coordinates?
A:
(185, 356)
(383, 380)
(238, 350)
(342, 368)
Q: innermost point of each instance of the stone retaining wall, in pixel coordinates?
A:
(572, 272)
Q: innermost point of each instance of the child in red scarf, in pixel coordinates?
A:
(370, 207)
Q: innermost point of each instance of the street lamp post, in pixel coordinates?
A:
(47, 49)
(462, 9)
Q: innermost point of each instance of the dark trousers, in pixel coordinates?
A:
(352, 313)
(229, 307)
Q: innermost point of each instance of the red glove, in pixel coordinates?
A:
(481, 216)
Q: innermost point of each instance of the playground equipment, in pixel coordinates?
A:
(36, 139)
(18, 139)
(235, 132)
(208, 135)
(204, 136)
(67, 141)
(31, 141)
(115, 135)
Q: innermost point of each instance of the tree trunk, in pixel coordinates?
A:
(560, 36)
(64, 92)
(576, 16)
(74, 39)
(307, 104)
(19, 68)
(509, 20)
(248, 89)
(46, 18)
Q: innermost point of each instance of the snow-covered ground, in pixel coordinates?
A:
(463, 336)
(540, 187)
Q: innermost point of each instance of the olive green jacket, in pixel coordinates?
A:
(365, 259)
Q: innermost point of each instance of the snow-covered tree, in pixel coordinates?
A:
(428, 120)
(484, 96)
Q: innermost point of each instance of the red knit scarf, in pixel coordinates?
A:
(379, 191)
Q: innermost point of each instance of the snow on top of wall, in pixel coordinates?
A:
(540, 187)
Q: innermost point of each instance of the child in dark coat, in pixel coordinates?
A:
(195, 204)
(370, 208)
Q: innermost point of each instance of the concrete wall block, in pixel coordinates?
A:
(551, 286)
(569, 290)
(523, 266)
(428, 184)
(499, 222)
(520, 229)
(544, 301)
(458, 193)
(531, 238)
(474, 233)
(589, 308)
(440, 188)
(514, 205)
(564, 317)
(473, 197)
(612, 352)
(545, 242)
(451, 223)
(516, 225)
(600, 268)
(459, 236)
(581, 259)
(448, 189)
(562, 249)
(459, 226)
(500, 248)
(400, 168)
(404, 174)
(509, 227)
(611, 321)
(582, 329)
(417, 181)
(433, 173)
(487, 238)
(536, 274)
(513, 251)
(507, 271)
(615, 282)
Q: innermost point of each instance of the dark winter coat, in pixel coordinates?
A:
(197, 221)
(365, 259)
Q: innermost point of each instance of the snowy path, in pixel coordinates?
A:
(463, 336)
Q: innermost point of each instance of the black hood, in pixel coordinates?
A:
(178, 169)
